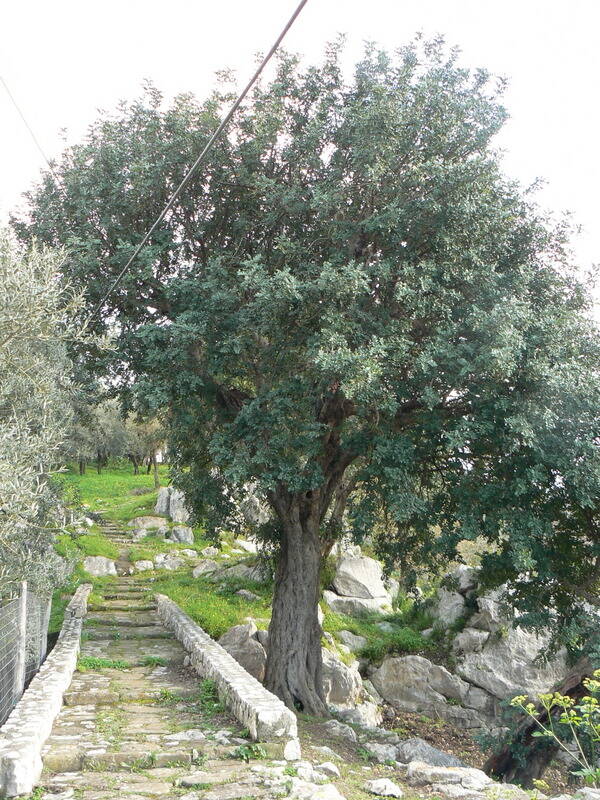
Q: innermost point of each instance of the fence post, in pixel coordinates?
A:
(46, 608)
(19, 684)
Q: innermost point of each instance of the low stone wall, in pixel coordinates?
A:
(265, 716)
(23, 734)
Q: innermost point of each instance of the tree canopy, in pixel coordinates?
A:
(352, 308)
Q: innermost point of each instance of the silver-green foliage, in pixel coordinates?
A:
(37, 310)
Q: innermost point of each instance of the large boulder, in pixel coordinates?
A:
(162, 503)
(356, 606)
(240, 643)
(352, 641)
(365, 715)
(342, 685)
(177, 509)
(413, 683)
(171, 503)
(507, 664)
(251, 572)
(182, 534)
(359, 577)
(99, 566)
(147, 523)
(450, 606)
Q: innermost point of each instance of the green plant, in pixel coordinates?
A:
(87, 663)
(290, 770)
(209, 700)
(248, 752)
(576, 721)
(154, 661)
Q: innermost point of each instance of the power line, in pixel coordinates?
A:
(59, 185)
(199, 160)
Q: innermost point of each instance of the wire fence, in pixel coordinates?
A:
(23, 644)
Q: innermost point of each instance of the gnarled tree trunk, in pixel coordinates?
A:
(294, 663)
(526, 757)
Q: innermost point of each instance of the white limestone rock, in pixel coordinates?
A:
(506, 665)
(418, 750)
(356, 606)
(366, 715)
(422, 774)
(99, 566)
(177, 508)
(162, 503)
(168, 561)
(204, 568)
(247, 545)
(147, 523)
(342, 685)
(450, 606)
(335, 728)
(382, 753)
(240, 643)
(470, 640)
(383, 787)
(143, 565)
(359, 577)
(182, 534)
(413, 683)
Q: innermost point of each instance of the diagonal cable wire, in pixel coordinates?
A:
(13, 100)
(198, 161)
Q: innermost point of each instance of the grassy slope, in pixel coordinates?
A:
(112, 492)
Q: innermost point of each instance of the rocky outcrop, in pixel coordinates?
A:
(171, 503)
(413, 683)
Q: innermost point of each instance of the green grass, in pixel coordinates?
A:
(111, 492)
(215, 610)
(92, 664)
(152, 544)
(406, 639)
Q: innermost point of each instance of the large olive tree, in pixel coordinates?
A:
(353, 309)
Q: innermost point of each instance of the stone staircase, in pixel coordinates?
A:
(137, 725)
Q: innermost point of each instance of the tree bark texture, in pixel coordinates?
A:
(155, 471)
(294, 664)
(526, 757)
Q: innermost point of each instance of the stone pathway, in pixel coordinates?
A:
(150, 729)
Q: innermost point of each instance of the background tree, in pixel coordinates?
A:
(352, 309)
(37, 310)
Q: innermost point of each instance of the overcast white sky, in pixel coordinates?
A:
(63, 59)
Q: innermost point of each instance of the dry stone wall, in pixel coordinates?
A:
(265, 716)
(23, 734)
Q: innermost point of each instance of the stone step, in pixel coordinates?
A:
(136, 756)
(110, 697)
(132, 619)
(156, 782)
(135, 652)
(143, 632)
